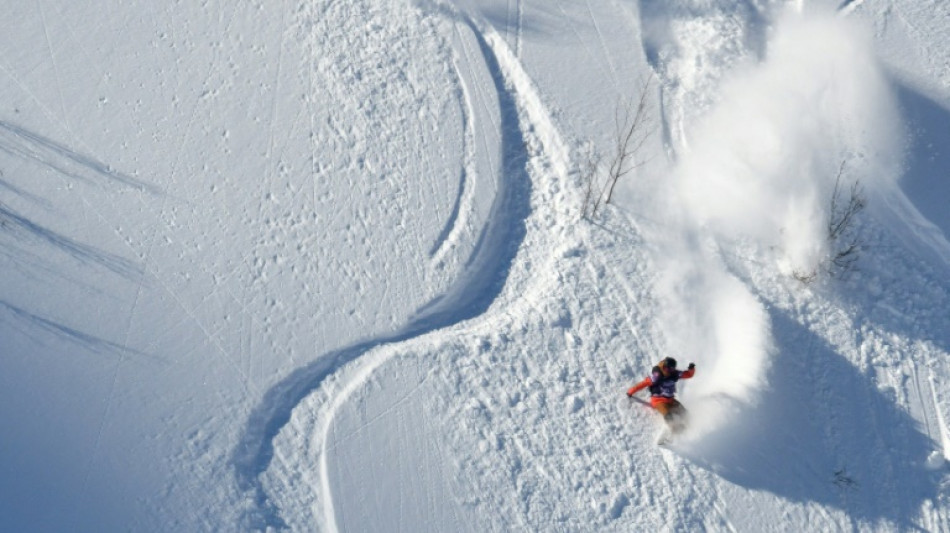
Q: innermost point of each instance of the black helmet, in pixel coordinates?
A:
(669, 363)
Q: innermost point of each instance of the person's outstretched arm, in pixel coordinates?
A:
(688, 373)
(647, 381)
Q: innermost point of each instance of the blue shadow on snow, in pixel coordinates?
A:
(822, 432)
(926, 179)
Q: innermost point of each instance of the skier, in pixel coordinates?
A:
(662, 383)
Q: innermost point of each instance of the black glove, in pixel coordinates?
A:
(691, 366)
(629, 395)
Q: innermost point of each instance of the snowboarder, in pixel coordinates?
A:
(662, 383)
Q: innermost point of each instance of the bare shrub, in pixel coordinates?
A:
(844, 242)
(633, 127)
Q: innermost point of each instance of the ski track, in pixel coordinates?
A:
(941, 420)
(848, 6)
(479, 285)
(689, 48)
(459, 216)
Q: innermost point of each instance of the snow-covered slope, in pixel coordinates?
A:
(321, 265)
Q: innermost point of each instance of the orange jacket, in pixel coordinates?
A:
(649, 380)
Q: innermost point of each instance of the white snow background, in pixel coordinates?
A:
(321, 265)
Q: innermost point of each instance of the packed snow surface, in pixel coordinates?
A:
(326, 265)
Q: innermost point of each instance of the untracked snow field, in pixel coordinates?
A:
(324, 265)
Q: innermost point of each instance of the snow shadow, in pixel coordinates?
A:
(23, 143)
(90, 342)
(5, 185)
(19, 226)
(926, 181)
(477, 287)
(821, 432)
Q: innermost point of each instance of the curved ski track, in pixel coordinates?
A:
(481, 282)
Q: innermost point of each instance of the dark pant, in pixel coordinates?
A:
(673, 412)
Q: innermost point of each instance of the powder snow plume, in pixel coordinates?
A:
(762, 164)
(759, 169)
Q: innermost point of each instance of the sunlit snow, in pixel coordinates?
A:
(323, 266)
